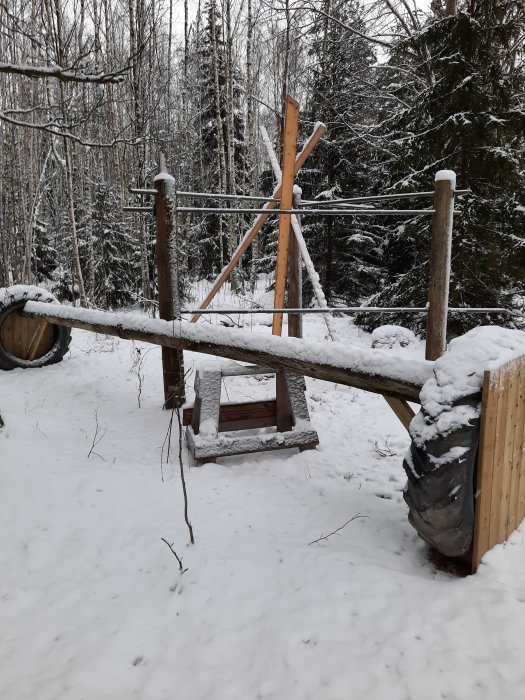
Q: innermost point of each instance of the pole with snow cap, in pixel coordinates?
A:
(168, 283)
(440, 254)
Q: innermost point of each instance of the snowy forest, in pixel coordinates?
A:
(93, 90)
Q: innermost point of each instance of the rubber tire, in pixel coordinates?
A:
(441, 499)
(62, 334)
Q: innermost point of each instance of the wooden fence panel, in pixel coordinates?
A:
(500, 488)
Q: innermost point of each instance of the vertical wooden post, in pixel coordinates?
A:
(440, 252)
(450, 8)
(168, 281)
(295, 279)
(289, 148)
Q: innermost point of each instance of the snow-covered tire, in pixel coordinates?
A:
(440, 487)
(13, 299)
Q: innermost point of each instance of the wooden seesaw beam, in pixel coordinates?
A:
(379, 371)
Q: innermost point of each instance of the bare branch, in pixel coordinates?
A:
(334, 532)
(63, 74)
(182, 570)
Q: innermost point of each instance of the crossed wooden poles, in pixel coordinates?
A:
(283, 193)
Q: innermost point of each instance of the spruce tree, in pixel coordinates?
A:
(462, 111)
(345, 250)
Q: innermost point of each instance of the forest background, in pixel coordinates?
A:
(92, 90)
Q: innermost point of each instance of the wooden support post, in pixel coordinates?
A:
(440, 253)
(295, 280)
(166, 251)
(450, 8)
(291, 125)
(317, 134)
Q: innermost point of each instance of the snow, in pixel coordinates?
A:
(459, 374)
(391, 336)
(164, 176)
(19, 292)
(447, 175)
(92, 603)
(386, 363)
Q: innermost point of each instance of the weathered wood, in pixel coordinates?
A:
(291, 126)
(318, 133)
(167, 277)
(208, 390)
(289, 413)
(402, 410)
(234, 445)
(440, 253)
(377, 382)
(18, 333)
(500, 487)
(295, 281)
(36, 340)
(284, 417)
(239, 416)
(303, 250)
(486, 451)
(518, 455)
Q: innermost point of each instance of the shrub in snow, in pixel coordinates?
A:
(393, 337)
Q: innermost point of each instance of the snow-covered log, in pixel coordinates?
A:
(381, 371)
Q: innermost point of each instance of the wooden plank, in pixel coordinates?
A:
(208, 390)
(517, 447)
(485, 466)
(440, 254)
(379, 383)
(510, 380)
(234, 445)
(36, 340)
(402, 410)
(285, 418)
(498, 467)
(318, 133)
(291, 127)
(18, 331)
(236, 412)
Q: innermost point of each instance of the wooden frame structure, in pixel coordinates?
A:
(213, 427)
(500, 474)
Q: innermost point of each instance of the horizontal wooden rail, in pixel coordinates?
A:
(380, 371)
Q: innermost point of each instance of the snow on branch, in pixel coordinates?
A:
(63, 74)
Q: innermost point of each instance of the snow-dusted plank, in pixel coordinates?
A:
(380, 371)
(208, 392)
(227, 444)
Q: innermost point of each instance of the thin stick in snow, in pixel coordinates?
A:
(182, 570)
(334, 532)
(97, 437)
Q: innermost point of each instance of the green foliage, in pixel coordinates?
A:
(463, 114)
(344, 250)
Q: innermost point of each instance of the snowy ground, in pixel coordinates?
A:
(92, 606)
